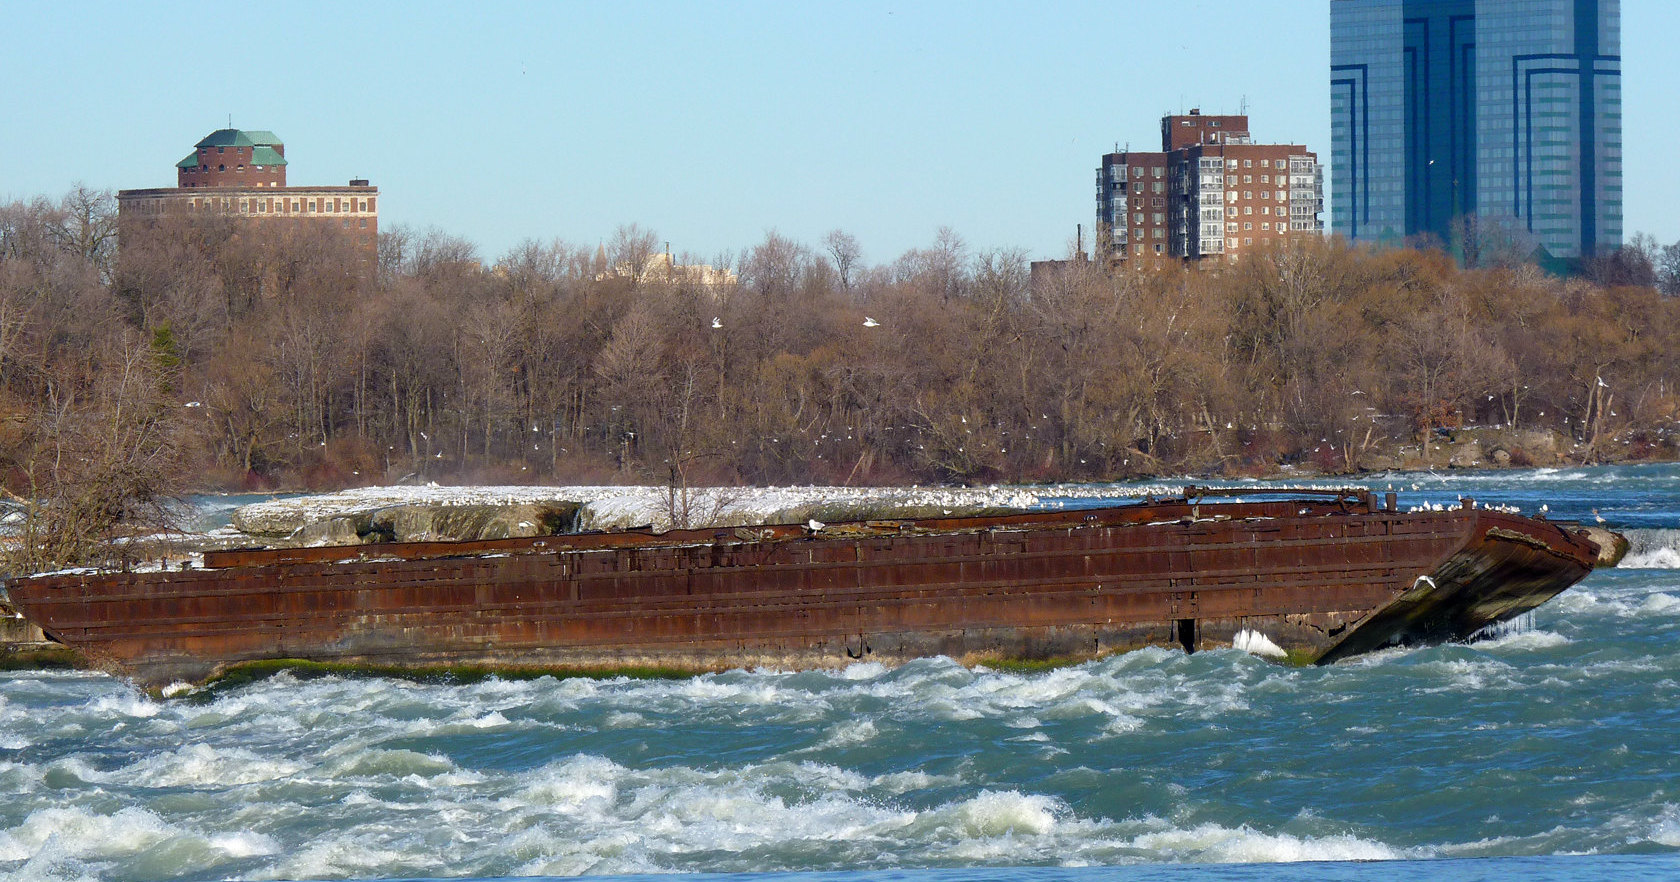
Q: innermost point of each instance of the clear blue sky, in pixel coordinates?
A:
(709, 123)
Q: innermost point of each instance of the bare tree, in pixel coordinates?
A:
(843, 248)
(104, 461)
(632, 252)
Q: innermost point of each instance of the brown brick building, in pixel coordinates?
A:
(1209, 192)
(243, 173)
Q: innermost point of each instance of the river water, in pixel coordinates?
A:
(1548, 752)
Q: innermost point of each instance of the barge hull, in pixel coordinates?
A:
(1321, 579)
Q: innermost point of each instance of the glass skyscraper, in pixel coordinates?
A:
(1508, 110)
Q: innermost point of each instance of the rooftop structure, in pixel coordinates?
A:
(1210, 191)
(243, 173)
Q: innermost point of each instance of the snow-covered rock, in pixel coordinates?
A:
(411, 513)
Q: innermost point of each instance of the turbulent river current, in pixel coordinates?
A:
(1546, 751)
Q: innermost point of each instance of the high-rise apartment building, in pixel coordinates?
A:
(1209, 192)
(1505, 110)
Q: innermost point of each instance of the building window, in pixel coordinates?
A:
(1248, 179)
(1138, 217)
(221, 149)
(221, 168)
(1231, 163)
(1248, 226)
(364, 223)
(1158, 249)
(1248, 163)
(1230, 243)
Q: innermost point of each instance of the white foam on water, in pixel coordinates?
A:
(623, 720)
(1080, 707)
(1213, 843)
(1665, 828)
(1651, 548)
(1001, 813)
(1660, 604)
(582, 784)
(863, 671)
(201, 766)
(1655, 559)
(1122, 724)
(850, 733)
(70, 772)
(347, 856)
(1467, 675)
(1627, 603)
(244, 844)
(492, 720)
(1256, 643)
(899, 783)
(382, 763)
(1525, 641)
(83, 833)
(127, 703)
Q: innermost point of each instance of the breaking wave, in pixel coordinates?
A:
(1652, 549)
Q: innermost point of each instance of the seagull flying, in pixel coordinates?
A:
(715, 323)
(870, 323)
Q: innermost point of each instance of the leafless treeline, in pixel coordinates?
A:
(215, 353)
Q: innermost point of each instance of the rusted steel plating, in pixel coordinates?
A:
(1323, 574)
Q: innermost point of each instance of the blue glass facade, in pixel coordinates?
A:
(1502, 108)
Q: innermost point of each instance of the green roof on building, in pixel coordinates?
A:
(267, 156)
(237, 138)
(190, 162)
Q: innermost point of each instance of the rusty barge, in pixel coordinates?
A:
(1322, 575)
